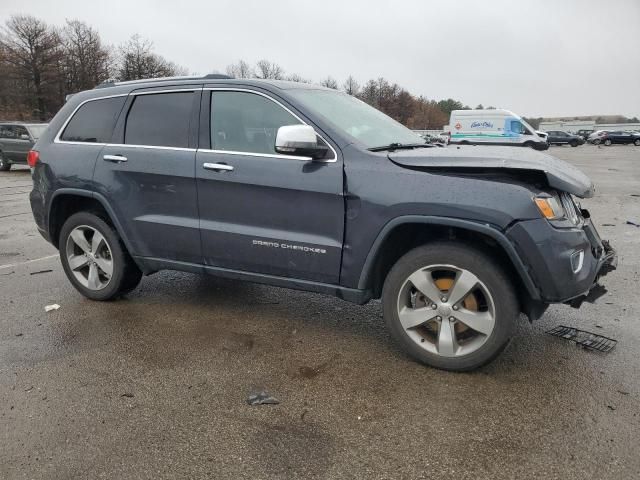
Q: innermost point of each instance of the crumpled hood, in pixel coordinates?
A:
(560, 175)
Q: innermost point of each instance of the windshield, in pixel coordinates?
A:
(37, 130)
(364, 123)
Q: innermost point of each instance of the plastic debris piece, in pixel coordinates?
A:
(262, 398)
(629, 222)
(53, 306)
(587, 340)
(40, 271)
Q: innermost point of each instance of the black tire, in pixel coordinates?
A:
(607, 142)
(528, 145)
(573, 143)
(475, 261)
(597, 141)
(5, 166)
(637, 143)
(126, 274)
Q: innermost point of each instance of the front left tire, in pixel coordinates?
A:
(450, 306)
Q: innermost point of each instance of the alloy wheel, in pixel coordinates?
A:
(446, 310)
(89, 257)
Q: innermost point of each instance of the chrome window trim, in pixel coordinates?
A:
(270, 155)
(75, 110)
(157, 147)
(267, 155)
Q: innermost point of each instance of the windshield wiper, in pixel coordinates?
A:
(399, 146)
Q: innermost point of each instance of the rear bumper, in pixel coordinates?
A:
(553, 255)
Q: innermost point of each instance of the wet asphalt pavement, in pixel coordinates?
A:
(155, 385)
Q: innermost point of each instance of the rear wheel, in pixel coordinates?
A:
(637, 142)
(597, 141)
(449, 306)
(573, 143)
(607, 142)
(95, 259)
(5, 166)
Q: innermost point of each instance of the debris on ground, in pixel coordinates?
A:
(19, 334)
(611, 407)
(608, 225)
(587, 340)
(262, 398)
(623, 392)
(53, 306)
(629, 222)
(40, 271)
(127, 394)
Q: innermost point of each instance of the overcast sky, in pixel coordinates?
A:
(537, 58)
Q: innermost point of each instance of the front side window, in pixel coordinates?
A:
(159, 119)
(94, 121)
(246, 122)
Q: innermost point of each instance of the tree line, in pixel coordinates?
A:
(40, 64)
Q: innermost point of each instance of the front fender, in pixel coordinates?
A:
(485, 229)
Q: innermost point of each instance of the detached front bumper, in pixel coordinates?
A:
(565, 264)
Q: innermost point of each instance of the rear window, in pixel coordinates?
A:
(160, 119)
(94, 121)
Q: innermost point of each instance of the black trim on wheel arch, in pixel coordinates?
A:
(367, 269)
(103, 201)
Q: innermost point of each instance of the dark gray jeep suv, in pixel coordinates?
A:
(16, 139)
(304, 187)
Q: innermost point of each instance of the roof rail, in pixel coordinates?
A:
(114, 83)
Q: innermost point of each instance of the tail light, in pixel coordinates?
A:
(33, 157)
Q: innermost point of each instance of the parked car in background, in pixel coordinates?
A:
(596, 136)
(556, 137)
(16, 139)
(621, 137)
(493, 127)
(306, 187)
(584, 133)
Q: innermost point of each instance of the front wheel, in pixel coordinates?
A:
(95, 259)
(607, 142)
(573, 143)
(450, 306)
(637, 143)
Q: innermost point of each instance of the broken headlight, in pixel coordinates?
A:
(558, 207)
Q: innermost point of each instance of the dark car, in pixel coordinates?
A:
(16, 139)
(556, 137)
(299, 186)
(620, 137)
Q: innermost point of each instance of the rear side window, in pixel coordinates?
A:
(94, 121)
(160, 119)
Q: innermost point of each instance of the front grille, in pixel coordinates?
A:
(571, 210)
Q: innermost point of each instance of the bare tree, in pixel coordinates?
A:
(137, 60)
(86, 60)
(31, 51)
(330, 82)
(351, 86)
(267, 69)
(240, 70)
(294, 77)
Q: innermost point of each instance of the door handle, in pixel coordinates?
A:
(217, 167)
(114, 158)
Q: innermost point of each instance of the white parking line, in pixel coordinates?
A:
(11, 265)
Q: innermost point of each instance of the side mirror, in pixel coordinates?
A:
(299, 140)
(24, 136)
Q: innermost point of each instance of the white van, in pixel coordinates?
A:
(493, 127)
